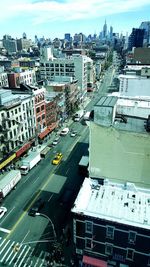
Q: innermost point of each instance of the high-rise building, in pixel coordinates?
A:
(136, 38)
(105, 30)
(67, 37)
(111, 32)
(145, 25)
(9, 44)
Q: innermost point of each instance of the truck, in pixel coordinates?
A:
(44, 152)
(79, 114)
(8, 182)
(86, 116)
(29, 162)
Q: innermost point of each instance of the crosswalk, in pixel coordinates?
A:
(14, 254)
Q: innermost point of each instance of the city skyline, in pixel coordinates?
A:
(55, 18)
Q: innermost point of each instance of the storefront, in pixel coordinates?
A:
(23, 149)
(93, 262)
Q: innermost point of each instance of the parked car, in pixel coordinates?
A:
(56, 141)
(65, 131)
(3, 210)
(57, 159)
(37, 206)
(73, 133)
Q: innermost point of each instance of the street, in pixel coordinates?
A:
(34, 235)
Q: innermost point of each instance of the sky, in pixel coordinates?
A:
(53, 18)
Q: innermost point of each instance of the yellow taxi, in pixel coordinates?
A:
(57, 159)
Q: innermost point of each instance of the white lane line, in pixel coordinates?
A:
(25, 237)
(50, 198)
(26, 180)
(8, 214)
(36, 179)
(14, 256)
(67, 170)
(4, 230)
(4, 247)
(12, 252)
(22, 251)
(2, 242)
(43, 260)
(28, 259)
(38, 259)
(7, 252)
(28, 248)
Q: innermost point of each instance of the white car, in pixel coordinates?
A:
(73, 133)
(56, 141)
(64, 131)
(3, 210)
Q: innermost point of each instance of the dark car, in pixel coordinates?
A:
(37, 206)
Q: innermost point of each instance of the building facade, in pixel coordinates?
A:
(75, 67)
(17, 120)
(111, 223)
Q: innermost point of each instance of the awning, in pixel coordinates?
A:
(44, 133)
(48, 130)
(94, 262)
(23, 149)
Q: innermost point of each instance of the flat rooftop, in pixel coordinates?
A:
(125, 204)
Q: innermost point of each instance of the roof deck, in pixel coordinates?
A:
(124, 204)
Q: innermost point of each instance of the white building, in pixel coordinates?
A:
(78, 67)
(133, 85)
(17, 120)
(28, 77)
(3, 77)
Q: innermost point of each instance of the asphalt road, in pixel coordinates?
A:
(48, 182)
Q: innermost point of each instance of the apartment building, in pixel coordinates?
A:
(111, 224)
(17, 120)
(76, 66)
(3, 77)
(19, 76)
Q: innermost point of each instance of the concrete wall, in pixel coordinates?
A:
(119, 155)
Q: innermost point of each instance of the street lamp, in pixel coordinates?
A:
(44, 215)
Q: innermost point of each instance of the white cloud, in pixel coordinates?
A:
(43, 11)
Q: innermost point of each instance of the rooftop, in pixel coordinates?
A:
(125, 204)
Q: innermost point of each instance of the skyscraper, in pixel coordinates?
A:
(136, 38)
(105, 30)
(145, 25)
(111, 32)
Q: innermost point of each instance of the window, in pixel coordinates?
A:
(110, 232)
(108, 249)
(88, 243)
(132, 237)
(42, 107)
(130, 254)
(89, 227)
(38, 110)
(43, 116)
(39, 119)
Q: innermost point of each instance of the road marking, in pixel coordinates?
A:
(25, 237)
(5, 230)
(24, 248)
(24, 213)
(26, 180)
(67, 171)
(4, 246)
(7, 215)
(24, 256)
(36, 179)
(50, 198)
(7, 252)
(14, 256)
